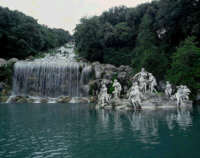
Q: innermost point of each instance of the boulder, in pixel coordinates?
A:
(12, 60)
(64, 99)
(95, 86)
(109, 75)
(109, 67)
(3, 99)
(98, 69)
(120, 103)
(19, 99)
(122, 76)
(44, 100)
(30, 58)
(93, 99)
(124, 68)
(3, 62)
(80, 100)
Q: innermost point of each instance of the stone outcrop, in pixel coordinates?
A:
(108, 73)
(142, 94)
(12, 60)
(3, 62)
(149, 101)
(64, 99)
(19, 99)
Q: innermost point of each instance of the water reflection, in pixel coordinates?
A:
(145, 125)
(74, 130)
(182, 118)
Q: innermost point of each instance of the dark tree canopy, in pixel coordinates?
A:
(21, 35)
(144, 36)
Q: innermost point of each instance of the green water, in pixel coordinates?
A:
(77, 131)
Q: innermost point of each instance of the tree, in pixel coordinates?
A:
(143, 36)
(185, 67)
(21, 35)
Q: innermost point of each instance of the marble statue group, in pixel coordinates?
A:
(142, 83)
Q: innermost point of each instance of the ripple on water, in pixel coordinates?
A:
(77, 132)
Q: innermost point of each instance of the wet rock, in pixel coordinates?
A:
(98, 69)
(124, 68)
(122, 76)
(30, 58)
(44, 100)
(93, 99)
(95, 85)
(109, 67)
(30, 100)
(124, 73)
(160, 100)
(19, 99)
(64, 99)
(3, 99)
(82, 100)
(120, 103)
(109, 75)
(109, 71)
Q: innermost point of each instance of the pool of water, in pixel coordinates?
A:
(78, 131)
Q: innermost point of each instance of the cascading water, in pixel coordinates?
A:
(52, 76)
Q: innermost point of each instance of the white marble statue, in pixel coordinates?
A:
(142, 78)
(182, 94)
(135, 95)
(117, 88)
(143, 84)
(152, 83)
(187, 92)
(115, 94)
(168, 89)
(103, 97)
(143, 73)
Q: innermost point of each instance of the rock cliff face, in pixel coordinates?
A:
(108, 73)
(6, 73)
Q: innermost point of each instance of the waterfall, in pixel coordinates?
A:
(52, 76)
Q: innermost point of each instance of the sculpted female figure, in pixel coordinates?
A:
(118, 88)
(142, 78)
(153, 83)
(103, 97)
(135, 96)
(182, 94)
(168, 90)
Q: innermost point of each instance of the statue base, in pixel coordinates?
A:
(150, 101)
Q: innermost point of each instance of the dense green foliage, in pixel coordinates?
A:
(145, 36)
(22, 36)
(186, 65)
